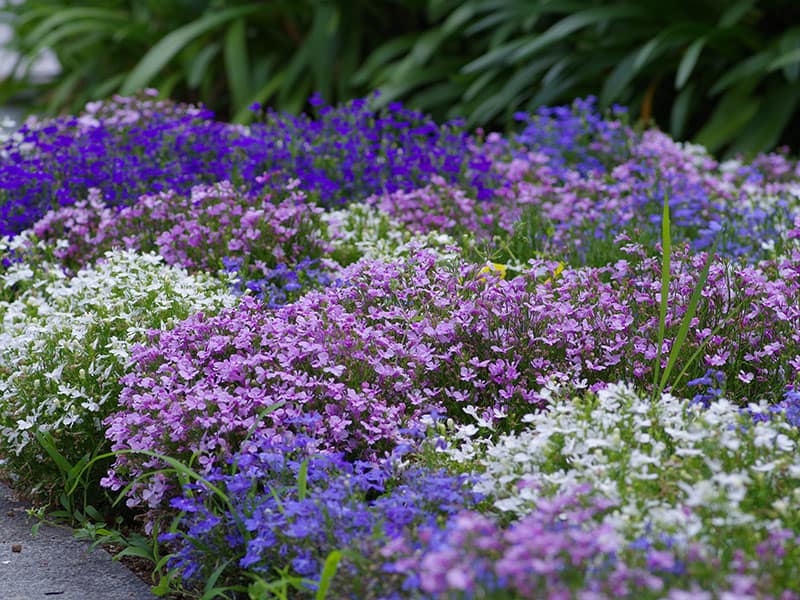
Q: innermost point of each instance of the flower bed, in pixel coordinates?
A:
(363, 355)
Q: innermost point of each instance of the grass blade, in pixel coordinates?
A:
(688, 62)
(683, 330)
(328, 573)
(237, 63)
(302, 481)
(666, 250)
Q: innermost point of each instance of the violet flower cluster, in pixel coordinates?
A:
(578, 136)
(563, 549)
(128, 147)
(356, 363)
(574, 180)
(274, 243)
(288, 507)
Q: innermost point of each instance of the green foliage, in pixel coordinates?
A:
(722, 73)
(226, 53)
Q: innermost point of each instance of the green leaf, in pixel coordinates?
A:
(322, 47)
(683, 329)
(93, 513)
(425, 46)
(666, 252)
(394, 90)
(646, 52)
(209, 591)
(764, 130)
(573, 23)
(172, 43)
(458, 18)
(785, 59)
(479, 84)
(134, 551)
(237, 64)
(380, 57)
(552, 92)
(731, 114)
(496, 56)
(735, 12)
(757, 64)
(555, 71)
(697, 352)
(688, 62)
(679, 113)
(108, 86)
(45, 440)
(328, 573)
(257, 590)
(302, 480)
(199, 64)
(162, 588)
(788, 42)
(167, 84)
(500, 101)
(490, 22)
(436, 95)
(70, 15)
(619, 79)
(75, 28)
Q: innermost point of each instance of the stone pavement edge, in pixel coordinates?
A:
(53, 565)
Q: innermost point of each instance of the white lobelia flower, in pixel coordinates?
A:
(670, 465)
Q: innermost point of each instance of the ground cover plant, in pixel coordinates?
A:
(359, 354)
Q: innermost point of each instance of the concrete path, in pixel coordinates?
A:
(54, 565)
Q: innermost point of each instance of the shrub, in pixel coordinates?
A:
(226, 54)
(671, 466)
(723, 74)
(271, 244)
(621, 496)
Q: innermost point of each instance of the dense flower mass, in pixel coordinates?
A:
(563, 549)
(358, 354)
(274, 245)
(128, 147)
(358, 362)
(707, 464)
(288, 506)
(65, 343)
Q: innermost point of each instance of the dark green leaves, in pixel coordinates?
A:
(708, 70)
(227, 54)
(691, 60)
(176, 41)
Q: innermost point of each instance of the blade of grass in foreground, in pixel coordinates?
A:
(666, 250)
(683, 330)
(328, 573)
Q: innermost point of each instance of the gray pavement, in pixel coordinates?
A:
(53, 565)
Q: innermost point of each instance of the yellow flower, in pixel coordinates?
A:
(556, 272)
(491, 267)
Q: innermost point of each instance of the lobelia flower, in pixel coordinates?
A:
(65, 342)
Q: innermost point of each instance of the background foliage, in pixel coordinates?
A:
(225, 53)
(723, 73)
